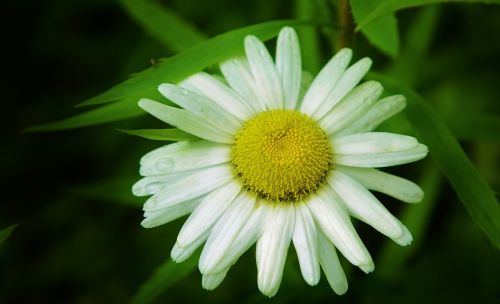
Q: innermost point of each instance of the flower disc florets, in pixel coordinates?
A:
(282, 155)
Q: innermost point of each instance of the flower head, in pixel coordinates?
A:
(277, 164)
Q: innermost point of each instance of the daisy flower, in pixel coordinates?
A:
(276, 165)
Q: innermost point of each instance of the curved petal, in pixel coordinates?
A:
(152, 184)
(272, 248)
(350, 78)
(237, 73)
(202, 107)
(289, 65)
(264, 72)
(184, 156)
(207, 213)
(219, 93)
(331, 215)
(350, 108)
(210, 281)
(305, 240)
(372, 143)
(185, 120)
(382, 110)
(160, 217)
(331, 265)
(190, 187)
(325, 81)
(392, 185)
(180, 254)
(364, 206)
(226, 230)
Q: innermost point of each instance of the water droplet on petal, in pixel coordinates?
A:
(154, 187)
(165, 164)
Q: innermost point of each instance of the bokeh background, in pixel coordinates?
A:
(79, 238)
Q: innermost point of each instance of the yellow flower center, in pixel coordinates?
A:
(281, 155)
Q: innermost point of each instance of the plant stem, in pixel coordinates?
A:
(346, 25)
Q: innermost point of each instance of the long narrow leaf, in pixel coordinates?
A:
(165, 276)
(161, 134)
(470, 186)
(4, 233)
(163, 24)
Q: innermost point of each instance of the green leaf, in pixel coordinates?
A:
(383, 32)
(163, 24)
(416, 217)
(470, 186)
(389, 6)
(476, 126)
(126, 108)
(161, 134)
(309, 40)
(5, 233)
(165, 276)
(172, 70)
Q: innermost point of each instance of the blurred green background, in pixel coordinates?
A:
(79, 239)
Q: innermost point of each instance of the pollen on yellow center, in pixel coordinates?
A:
(281, 155)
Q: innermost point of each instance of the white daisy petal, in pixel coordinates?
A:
(238, 75)
(207, 213)
(364, 206)
(184, 156)
(245, 239)
(305, 240)
(332, 217)
(189, 187)
(185, 121)
(373, 142)
(378, 113)
(325, 81)
(179, 254)
(350, 108)
(272, 248)
(150, 185)
(305, 83)
(267, 81)
(382, 159)
(226, 230)
(289, 65)
(210, 281)
(160, 217)
(395, 186)
(331, 265)
(220, 94)
(202, 107)
(351, 77)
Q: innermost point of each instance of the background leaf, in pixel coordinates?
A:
(163, 24)
(382, 32)
(4, 233)
(389, 6)
(161, 134)
(470, 186)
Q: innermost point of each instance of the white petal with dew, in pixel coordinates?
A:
(226, 230)
(272, 248)
(210, 281)
(305, 241)
(382, 110)
(157, 218)
(333, 219)
(267, 81)
(381, 159)
(237, 73)
(350, 108)
(184, 156)
(203, 107)
(225, 97)
(366, 207)
(180, 254)
(373, 143)
(305, 83)
(331, 265)
(289, 65)
(192, 186)
(351, 77)
(392, 185)
(325, 81)
(208, 212)
(185, 120)
(152, 184)
(248, 235)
